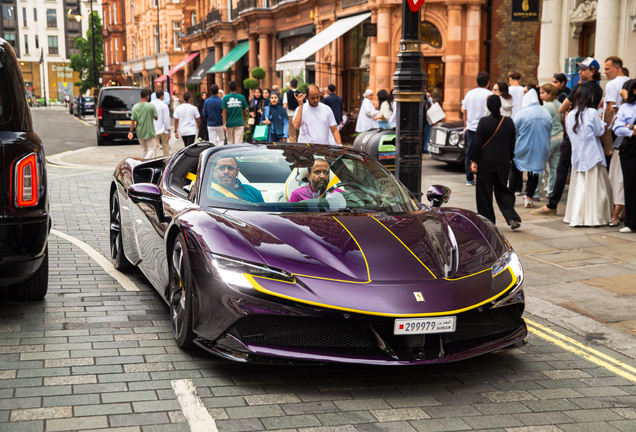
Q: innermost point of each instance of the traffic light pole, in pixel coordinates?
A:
(409, 84)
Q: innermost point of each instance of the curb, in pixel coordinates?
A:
(56, 159)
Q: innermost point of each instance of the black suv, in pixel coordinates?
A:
(24, 207)
(114, 108)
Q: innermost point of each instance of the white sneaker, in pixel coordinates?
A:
(626, 230)
(528, 202)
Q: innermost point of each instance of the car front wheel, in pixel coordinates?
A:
(34, 288)
(116, 245)
(181, 294)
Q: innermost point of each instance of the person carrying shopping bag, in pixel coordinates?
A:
(276, 119)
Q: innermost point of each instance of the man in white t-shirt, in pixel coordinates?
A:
(162, 124)
(516, 91)
(186, 120)
(314, 119)
(613, 99)
(473, 107)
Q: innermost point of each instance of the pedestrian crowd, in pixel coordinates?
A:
(581, 135)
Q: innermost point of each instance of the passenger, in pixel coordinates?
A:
(227, 184)
(318, 176)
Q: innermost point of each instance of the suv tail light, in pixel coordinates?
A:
(99, 114)
(26, 181)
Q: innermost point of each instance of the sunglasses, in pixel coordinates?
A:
(230, 168)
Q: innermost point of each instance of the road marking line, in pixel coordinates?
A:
(108, 267)
(82, 121)
(585, 355)
(192, 406)
(582, 346)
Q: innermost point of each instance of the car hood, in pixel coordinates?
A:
(365, 247)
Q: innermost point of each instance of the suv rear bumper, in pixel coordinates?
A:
(113, 134)
(22, 245)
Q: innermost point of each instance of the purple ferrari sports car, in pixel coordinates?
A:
(293, 252)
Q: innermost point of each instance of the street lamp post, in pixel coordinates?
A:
(410, 81)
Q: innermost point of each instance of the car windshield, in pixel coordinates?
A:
(122, 99)
(295, 178)
(89, 99)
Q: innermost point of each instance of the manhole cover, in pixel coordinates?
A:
(574, 258)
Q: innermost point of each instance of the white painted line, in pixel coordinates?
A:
(56, 159)
(193, 409)
(108, 267)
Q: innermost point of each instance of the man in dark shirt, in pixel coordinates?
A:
(212, 110)
(334, 102)
(590, 75)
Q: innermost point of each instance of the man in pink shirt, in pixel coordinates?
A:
(318, 176)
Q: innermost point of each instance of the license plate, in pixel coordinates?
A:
(434, 149)
(410, 326)
(123, 122)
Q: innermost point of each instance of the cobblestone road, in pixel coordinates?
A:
(93, 356)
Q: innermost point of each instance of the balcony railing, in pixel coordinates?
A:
(9, 23)
(216, 15)
(72, 51)
(73, 26)
(192, 30)
(115, 28)
(54, 50)
(245, 5)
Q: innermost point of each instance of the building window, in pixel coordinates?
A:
(132, 9)
(51, 18)
(53, 48)
(157, 47)
(193, 18)
(116, 51)
(431, 35)
(35, 15)
(10, 37)
(111, 51)
(176, 25)
(155, 3)
(8, 14)
(134, 46)
(24, 19)
(37, 42)
(114, 13)
(71, 44)
(26, 44)
(177, 41)
(587, 40)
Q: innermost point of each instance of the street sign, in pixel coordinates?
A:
(415, 5)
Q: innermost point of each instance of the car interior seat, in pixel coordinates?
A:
(296, 179)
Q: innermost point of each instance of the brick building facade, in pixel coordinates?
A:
(114, 33)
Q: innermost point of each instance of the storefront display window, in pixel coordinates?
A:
(357, 55)
(431, 35)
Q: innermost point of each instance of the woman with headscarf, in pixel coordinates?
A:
(367, 112)
(533, 125)
(493, 150)
(590, 194)
(275, 116)
(255, 116)
(203, 125)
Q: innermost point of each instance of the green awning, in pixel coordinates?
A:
(230, 58)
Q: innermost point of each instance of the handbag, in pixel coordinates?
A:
(622, 143)
(496, 130)
(260, 133)
(251, 121)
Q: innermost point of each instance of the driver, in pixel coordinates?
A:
(318, 176)
(225, 182)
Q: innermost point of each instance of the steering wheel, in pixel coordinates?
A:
(353, 196)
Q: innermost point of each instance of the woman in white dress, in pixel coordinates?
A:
(590, 195)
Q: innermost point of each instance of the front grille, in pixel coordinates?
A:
(475, 324)
(300, 331)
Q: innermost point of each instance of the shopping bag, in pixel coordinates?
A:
(260, 132)
(435, 114)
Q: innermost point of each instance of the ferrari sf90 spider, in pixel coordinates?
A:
(293, 252)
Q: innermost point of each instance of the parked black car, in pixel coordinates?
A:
(25, 221)
(89, 107)
(448, 143)
(114, 108)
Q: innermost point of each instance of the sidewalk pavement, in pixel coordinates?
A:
(590, 271)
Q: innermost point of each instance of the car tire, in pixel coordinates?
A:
(101, 141)
(180, 295)
(34, 288)
(116, 244)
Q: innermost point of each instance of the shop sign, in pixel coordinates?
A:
(525, 10)
(369, 30)
(351, 3)
(62, 71)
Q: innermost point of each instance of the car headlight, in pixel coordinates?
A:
(233, 272)
(454, 139)
(508, 259)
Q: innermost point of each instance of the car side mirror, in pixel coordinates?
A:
(150, 194)
(438, 195)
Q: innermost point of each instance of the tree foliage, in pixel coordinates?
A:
(250, 83)
(83, 62)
